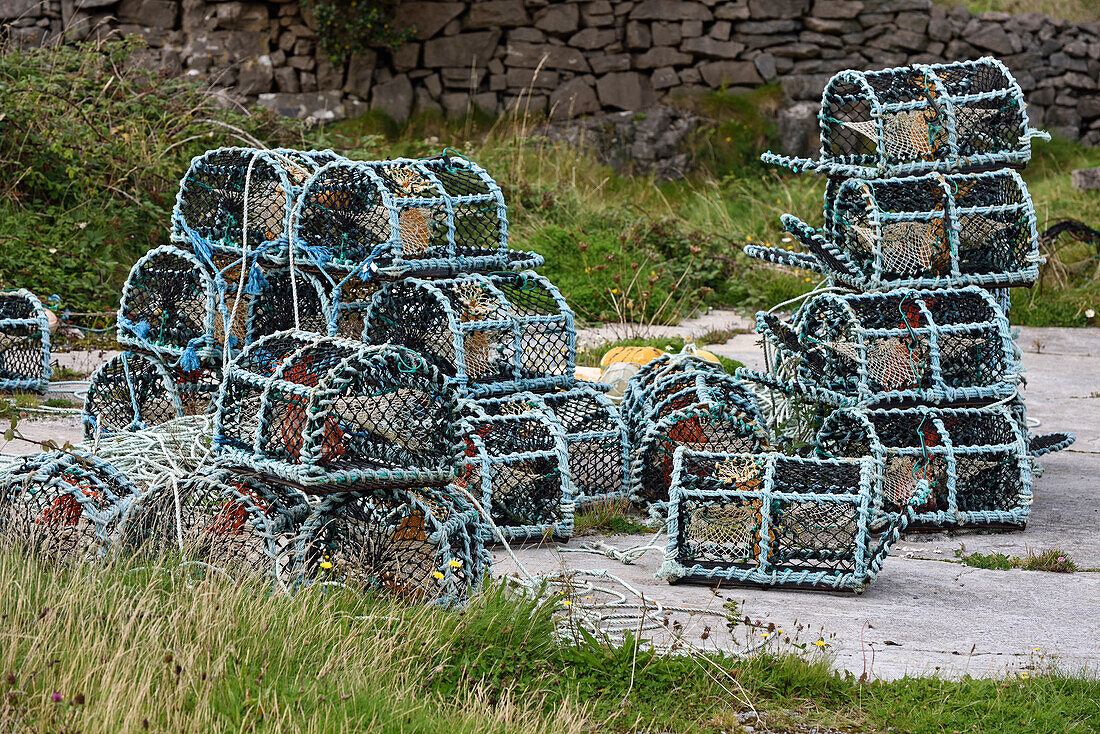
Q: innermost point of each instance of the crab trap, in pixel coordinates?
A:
(777, 520)
(489, 334)
(639, 397)
(239, 200)
(437, 216)
(712, 415)
(517, 466)
(176, 306)
(948, 346)
(133, 391)
(976, 461)
(934, 231)
(64, 506)
(595, 436)
(962, 116)
(24, 342)
(334, 415)
(419, 545)
(219, 522)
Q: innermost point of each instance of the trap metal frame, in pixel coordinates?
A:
(775, 520)
(975, 460)
(24, 342)
(961, 116)
(435, 216)
(129, 392)
(943, 346)
(517, 465)
(332, 415)
(489, 334)
(422, 544)
(933, 231)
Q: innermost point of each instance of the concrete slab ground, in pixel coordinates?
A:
(926, 613)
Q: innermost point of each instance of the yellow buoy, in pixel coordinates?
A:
(633, 355)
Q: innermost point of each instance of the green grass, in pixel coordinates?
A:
(101, 648)
(1078, 11)
(1053, 560)
(610, 517)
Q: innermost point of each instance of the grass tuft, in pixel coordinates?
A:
(1052, 559)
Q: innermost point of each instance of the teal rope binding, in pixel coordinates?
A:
(418, 545)
(517, 465)
(943, 346)
(977, 461)
(24, 342)
(330, 415)
(489, 334)
(905, 121)
(782, 521)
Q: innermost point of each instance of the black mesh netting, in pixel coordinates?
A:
(64, 506)
(272, 310)
(417, 545)
(24, 342)
(328, 411)
(981, 449)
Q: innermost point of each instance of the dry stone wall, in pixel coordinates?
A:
(570, 59)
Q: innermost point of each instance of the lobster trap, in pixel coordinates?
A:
(333, 415)
(975, 460)
(420, 545)
(640, 394)
(134, 391)
(176, 306)
(949, 346)
(221, 522)
(717, 415)
(934, 231)
(517, 466)
(488, 334)
(24, 342)
(437, 216)
(777, 520)
(595, 436)
(963, 116)
(239, 200)
(64, 506)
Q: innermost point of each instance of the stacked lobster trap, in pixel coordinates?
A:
(910, 357)
(390, 386)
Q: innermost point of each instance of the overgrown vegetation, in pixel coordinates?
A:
(346, 27)
(96, 648)
(93, 148)
(1052, 559)
(1078, 11)
(610, 517)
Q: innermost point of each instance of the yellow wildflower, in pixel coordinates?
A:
(455, 563)
(437, 575)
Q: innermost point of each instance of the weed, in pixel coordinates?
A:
(61, 403)
(64, 372)
(1052, 559)
(610, 517)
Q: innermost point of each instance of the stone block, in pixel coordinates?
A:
(360, 74)
(664, 78)
(286, 80)
(624, 91)
(719, 73)
(525, 78)
(665, 34)
(670, 10)
(155, 13)
(572, 99)
(394, 98)
(759, 9)
(429, 18)
(558, 18)
(593, 38)
(837, 8)
(605, 63)
(496, 14)
(528, 55)
(322, 106)
(765, 66)
(661, 56)
(712, 49)
(638, 37)
(465, 49)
